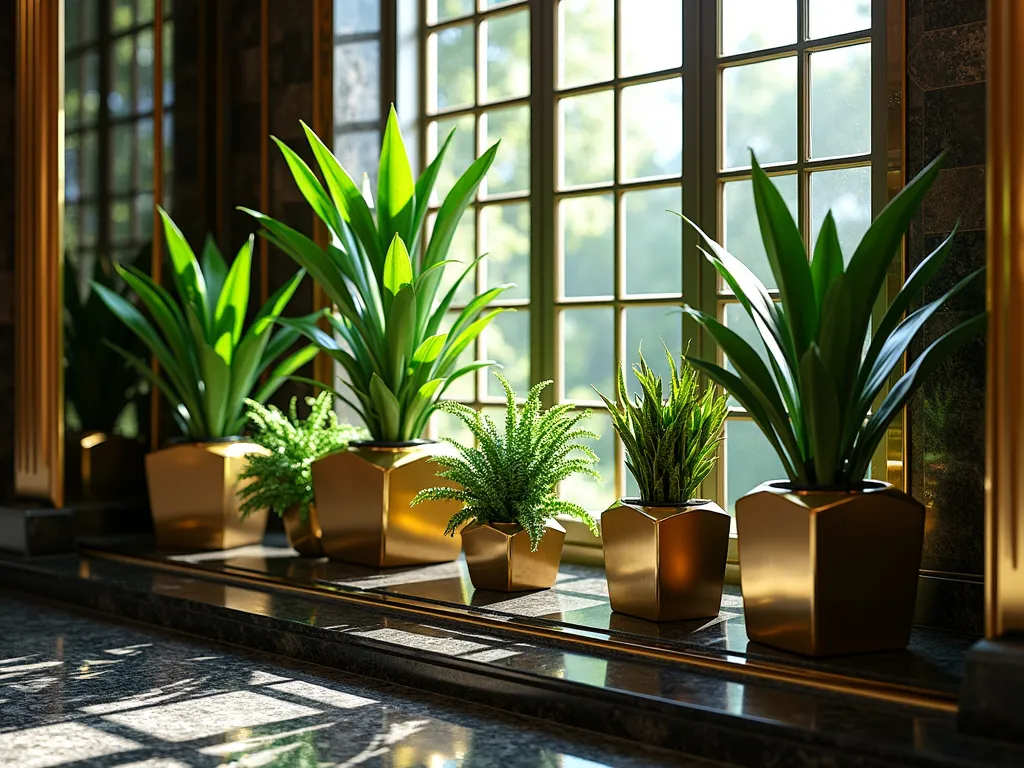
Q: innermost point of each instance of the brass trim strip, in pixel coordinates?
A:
(1004, 496)
(39, 252)
(734, 665)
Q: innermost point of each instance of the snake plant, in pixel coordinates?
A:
(384, 277)
(671, 444)
(817, 405)
(209, 361)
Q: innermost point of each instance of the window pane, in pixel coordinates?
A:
(463, 388)
(506, 39)
(90, 87)
(841, 101)
(505, 238)
(352, 17)
(507, 341)
(742, 233)
(588, 353)
(90, 161)
(168, 63)
(462, 251)
(848, 193)
(592, 494)
(144, 71)
(90, 14)
(453, 68)
(834, 17)
(749, 460)
(737, 320)
(145, 11)
(120, 147)
(121, 14)
(442, 10)
(72, 24)
(448, 425)
(90, 223)
(70, 228)
(652, 124)
(144, 148)
(72, 92)
(120, 221)
(72, 169)
(359, 153)
(586, 42)
(588, 139)
(357, 82)
(587, 226)
(652, 330)
(122, 56)
(759, 112)
(653, 241)
(752, 25)
(651, 36)
(460, 154)
(511, 169)
(143, 217)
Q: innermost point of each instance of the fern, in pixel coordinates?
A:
(511, 477)
(671, 445)
(284, 477)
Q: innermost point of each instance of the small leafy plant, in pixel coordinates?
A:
(671, 444)
(511, 477)
(817, 405)
(283, 477)
(209, 361)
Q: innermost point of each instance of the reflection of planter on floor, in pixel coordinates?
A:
(665, 563)
(362, 500)
(499, 556)
(829, 572)
(193, 492)
(303, 531)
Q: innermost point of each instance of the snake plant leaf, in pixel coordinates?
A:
(787, 257)
(311, 188)
(215, 271)
(401, 333)
(839, 351)
(188, 278)
(430, 349)
(396, 199)
(441, 310)
(187, 423)
(822, 405)
(425, 190)
(162, 309)
(421, 406)
(216, 378)
(233, 303)
(827, 262)
(387, 407)
(397, 268)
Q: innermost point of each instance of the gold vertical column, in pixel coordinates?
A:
(38, 252)
(1004, 551)
(323, 125)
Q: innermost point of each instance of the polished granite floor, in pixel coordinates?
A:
(77, 690)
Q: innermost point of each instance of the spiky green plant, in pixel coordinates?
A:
(671, 444)
(511, 477)
(815, 406)
(283, 478)
(386, 332)
(209, 362)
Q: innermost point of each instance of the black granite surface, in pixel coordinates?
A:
(733, 718)
(78, 690)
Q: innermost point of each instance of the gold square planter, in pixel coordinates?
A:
(363, 498)
(304, 535)
(829, 572)
(193, 493)
(665, 563)
(499, 556)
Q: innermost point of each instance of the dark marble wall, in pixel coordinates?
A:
(7, 291)
(946, 110)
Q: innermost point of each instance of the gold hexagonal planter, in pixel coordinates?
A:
(829, 572)
(665, 563)
(304, 533)
(363, 498)
(193, 493)
(499, 556)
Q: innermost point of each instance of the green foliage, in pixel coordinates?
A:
(397, 360)
(284, 477)
(815, 405)
(511, 477)
(671, 445)
(209, 362)
(96, 403)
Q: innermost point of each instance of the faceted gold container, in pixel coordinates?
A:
(665, 563)
(829, 572)
(304, 535)
(363, 498)
(193, 493)
(499, 556)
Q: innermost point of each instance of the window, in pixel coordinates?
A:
(357, 84)
(612, 113)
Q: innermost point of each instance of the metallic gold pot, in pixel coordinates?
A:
(304, 535)
(193, 492)
(665, 563)
(829, 572)
(499, 556)
(363, 498)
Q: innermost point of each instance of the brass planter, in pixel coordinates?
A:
(193, 493)
(665, 563)
(829, 572)
(499, 556)
(304, 535)
(363, 498)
